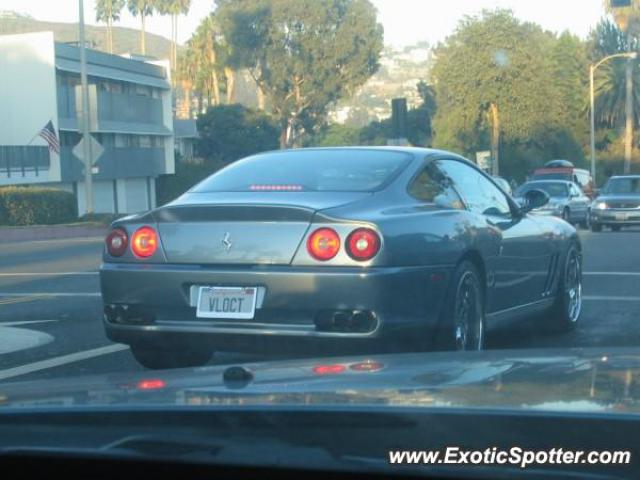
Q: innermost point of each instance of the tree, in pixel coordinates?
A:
(336, 135)
(628, 20)
(187, 76)
(493, 81)
(303, 54)
(108, 11)
(205, 44)
(610, 79)
(230, 132)
(174, 8)
(570, 64)
(143, 9)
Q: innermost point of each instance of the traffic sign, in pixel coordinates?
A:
(95, 150)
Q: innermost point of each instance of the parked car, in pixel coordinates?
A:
(398, 248)
(617, 204)
(503, 184)
(567, 201)
(564, 170)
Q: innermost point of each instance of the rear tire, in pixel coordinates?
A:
(162, 359)
(596, 227)
(616, 228)
(461, 325)
(568, 303)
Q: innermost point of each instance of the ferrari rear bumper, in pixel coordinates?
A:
(156, 303)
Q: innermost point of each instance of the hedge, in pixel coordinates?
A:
(36, 206)
(169, 187)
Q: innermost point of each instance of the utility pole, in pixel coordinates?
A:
(88, 179)
(628, 136)
(495, 139)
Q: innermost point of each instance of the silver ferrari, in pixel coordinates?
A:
(342, 248)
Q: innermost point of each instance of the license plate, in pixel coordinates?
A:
(226, 302)
(621, 216)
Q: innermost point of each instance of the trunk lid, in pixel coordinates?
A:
(241, 228)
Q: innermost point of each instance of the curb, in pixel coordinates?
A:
(50, 232)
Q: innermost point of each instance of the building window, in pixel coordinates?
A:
(106, 139)
(145, 141)
(142, 90)
(69, 139)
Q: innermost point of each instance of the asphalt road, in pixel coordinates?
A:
(50, 308)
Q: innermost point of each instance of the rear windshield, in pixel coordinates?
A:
(554, 189)
(552, 176)
(623, 185)
(314, 171)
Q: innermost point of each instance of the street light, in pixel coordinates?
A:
(592, 69)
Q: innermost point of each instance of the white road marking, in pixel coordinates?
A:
(614, 274)
(16, 339)
(45, 274)
(610, 298)
(49, 294)
(25, 322)
(94, 239)
(61, 360)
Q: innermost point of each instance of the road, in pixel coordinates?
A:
(50, 308)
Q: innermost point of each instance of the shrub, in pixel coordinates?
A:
(169, 187)
(36, 206)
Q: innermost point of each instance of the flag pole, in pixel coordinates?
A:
(33, 138)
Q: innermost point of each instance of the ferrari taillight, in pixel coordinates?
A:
(116, 242)
(363, 244)
(144, 242)
(323, 244)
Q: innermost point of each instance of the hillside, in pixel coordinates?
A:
(125, 40)
(399, 73)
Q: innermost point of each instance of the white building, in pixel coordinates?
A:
(131, 117)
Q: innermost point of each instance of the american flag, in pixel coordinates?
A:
(49, 134)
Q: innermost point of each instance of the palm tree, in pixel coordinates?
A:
(205, 44)
(187, 75)
(610, 81)
(143, 9)
(109, 11)
(174, 8)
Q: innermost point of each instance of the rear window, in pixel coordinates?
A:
(552, 188)
(552, 176)
(308, 171)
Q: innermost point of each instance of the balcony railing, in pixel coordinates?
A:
(116, 107)
(116, 162)
(15, 160)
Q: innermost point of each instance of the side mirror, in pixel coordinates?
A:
(534, 199)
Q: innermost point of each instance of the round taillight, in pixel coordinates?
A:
(117, 242)
(144, 242)
(323, 244)
(363, 244)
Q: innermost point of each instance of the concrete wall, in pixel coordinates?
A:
(28, 96)
(167, 117)
(132, 195)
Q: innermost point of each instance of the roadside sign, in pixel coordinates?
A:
(94, 147)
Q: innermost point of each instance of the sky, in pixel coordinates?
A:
(405, 22)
